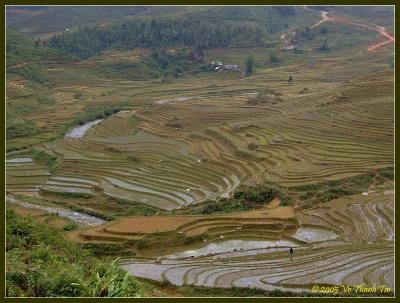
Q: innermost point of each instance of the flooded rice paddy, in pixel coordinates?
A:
(232, 246)
(19, 160)
(310, 234)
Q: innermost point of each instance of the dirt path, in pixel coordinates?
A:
(325, 17)
(379, 29)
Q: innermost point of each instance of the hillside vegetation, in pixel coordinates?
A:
(20, 48)
(41, 263)
(216, 27)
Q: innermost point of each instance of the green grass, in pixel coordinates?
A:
(41, 263)
(102, 250)
(34, 73)
(45, 100)
(18, 128)
(71, 226)
(66, 194)
(135, 122)
(21, 48)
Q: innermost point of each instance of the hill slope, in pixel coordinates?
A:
(40, 262)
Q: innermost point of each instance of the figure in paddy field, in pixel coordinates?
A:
(290, 251)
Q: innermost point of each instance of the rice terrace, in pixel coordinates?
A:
(191, 151)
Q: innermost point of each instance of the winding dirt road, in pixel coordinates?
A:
(379, 29)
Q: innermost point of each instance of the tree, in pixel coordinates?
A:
(274, 58)
(323, 30)
(249, 65)
(324, 45)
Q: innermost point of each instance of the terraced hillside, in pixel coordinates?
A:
(197, 138)
(200, 173)
(26, 175)
(342, 243)
(185, 150)
(270, 223)
(331, 266)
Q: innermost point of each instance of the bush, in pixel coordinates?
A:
(42, 156)
(101, 249)
(41, 262)
(67, 194)
(293, 220)
(273, 59)
(387, 173)
(142, 243)
(247, 198)
(70, 226)
(249, 65)
(111, 281)
(259, 194)
(333, 189)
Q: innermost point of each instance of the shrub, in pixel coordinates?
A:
(273, 59)
(387, 173)
(249, 65)
(70, 226)
(40, 155)
(111, 281)
(41, 262)
(67, 194)
(41, 252)
(142, 243)
(333, 189)
(101, 249)
(259, 194)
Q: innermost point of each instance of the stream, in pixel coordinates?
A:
(79, 132)
(80, 218)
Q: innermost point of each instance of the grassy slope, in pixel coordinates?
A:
(40, 262)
